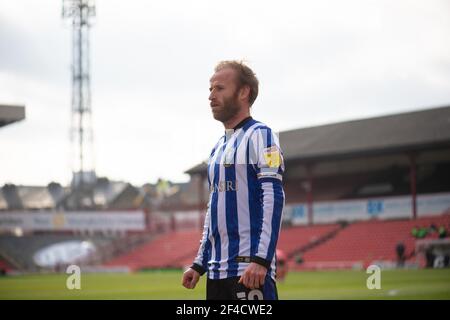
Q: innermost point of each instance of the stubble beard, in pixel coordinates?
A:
(229, 110)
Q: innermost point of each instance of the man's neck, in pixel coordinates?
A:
(232, 123)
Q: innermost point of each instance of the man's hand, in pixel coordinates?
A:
(190, 278)
(254, 276)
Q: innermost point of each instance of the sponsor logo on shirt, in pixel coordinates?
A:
(222, 186)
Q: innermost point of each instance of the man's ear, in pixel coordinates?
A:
(244, 93)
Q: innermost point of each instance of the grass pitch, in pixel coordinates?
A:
(166, 285)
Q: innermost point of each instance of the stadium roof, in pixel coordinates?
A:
(10, 114)
(401, 132)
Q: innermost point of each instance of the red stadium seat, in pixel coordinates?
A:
(173, 250)
(368, 241)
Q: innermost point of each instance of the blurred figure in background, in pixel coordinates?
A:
(442, 232)
(400, 249)
(282, 266)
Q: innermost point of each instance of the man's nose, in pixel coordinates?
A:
(211, 95)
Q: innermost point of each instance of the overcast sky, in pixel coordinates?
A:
(317, 61)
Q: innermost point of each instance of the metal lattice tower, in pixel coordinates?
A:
(80, 14)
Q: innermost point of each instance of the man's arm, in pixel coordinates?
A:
(200, 265)
(272, 198)
(273, 202)
(269, 168)
(201, 261)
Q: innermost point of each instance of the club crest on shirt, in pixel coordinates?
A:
(272, 156)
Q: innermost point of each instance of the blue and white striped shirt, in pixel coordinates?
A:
(245, 204)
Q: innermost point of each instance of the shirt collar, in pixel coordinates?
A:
(230, 132)
(242, 123)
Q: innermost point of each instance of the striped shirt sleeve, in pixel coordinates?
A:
(269, 168)
(201, 261)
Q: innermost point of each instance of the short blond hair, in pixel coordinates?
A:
(245, 75)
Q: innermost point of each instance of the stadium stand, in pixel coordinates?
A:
(437, 179)
(335, 245)
(170, 250)
(390, 181)
(363, 242)
(177, 249)
(326, 188)
(321, 246)
(20, 250)
(296, 239)
(4, 266)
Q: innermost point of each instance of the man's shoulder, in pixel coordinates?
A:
(260, 126)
